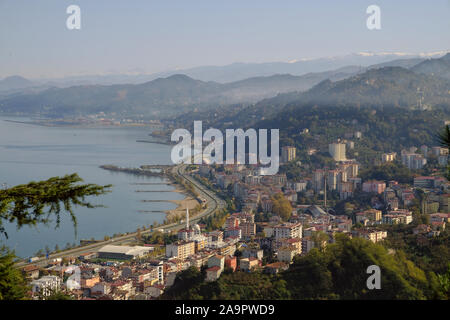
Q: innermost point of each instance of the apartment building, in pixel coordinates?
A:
(337, 151)
(287, 154)
(46, 285)
(180, 249)
(287, 230)
(374, 186)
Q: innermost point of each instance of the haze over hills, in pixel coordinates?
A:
(178, 94)
(151, 98)
(388, 87)
(161, 97)
(14, 83)
(240, 71)
(438, 67)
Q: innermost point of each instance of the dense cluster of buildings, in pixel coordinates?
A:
(415, 158)
(246, 244)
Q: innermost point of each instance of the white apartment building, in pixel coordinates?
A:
(287, 231)
(46, 285)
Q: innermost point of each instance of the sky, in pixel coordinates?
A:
(148, 36)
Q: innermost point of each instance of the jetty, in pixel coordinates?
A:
(144, 170)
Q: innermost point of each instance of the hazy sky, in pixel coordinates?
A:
(151, 36)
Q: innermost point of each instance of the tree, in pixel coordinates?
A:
(281, 206)
(138, 234)
(320, 239)
(340, 272)
(35, 203)
(444, 140)
(58, 295)
(444, 137)
(12, 283)
(444, 281)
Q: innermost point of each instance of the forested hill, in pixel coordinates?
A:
(438, 67)
(383, 130)
(381, 89)
(384, 87)
(389, 86)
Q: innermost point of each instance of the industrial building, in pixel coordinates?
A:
(123, 252)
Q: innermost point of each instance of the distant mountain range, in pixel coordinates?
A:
(240, 71)
(14, 83)
(385, 87)
(385, 84)
(162, 97)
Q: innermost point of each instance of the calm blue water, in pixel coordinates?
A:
(29, 152)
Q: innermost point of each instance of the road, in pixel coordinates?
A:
(213, 203)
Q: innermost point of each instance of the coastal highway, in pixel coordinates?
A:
(214, 203)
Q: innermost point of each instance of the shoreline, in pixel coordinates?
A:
(168, 143)
(80, 125)
(187, 203)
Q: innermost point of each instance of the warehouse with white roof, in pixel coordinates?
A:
(123, 252)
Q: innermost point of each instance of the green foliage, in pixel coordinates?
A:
(444, 282)
(338, 272)
(230, 286)
(12, 283)
(444, 137)
(215, 221)
(428, 253)
(36, 202)
(58, 295)
(388, 171)
(281, 206)
(383, 130)
(159, 237)
(444, 140)
(183, 282)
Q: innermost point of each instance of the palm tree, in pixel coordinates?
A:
(444, 140)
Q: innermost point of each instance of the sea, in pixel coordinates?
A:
(31, 152)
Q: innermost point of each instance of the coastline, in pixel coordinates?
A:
(77, 125)
(187, 203)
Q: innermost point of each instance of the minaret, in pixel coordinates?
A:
(187, 219)
(325, 194)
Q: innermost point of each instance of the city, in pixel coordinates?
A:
(239, 159)
(271, 229)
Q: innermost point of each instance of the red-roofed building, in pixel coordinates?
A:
(31, 271)
(276, 267)
(213, 273)
(231, 262)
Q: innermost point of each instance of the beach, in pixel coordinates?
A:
(188, 202)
